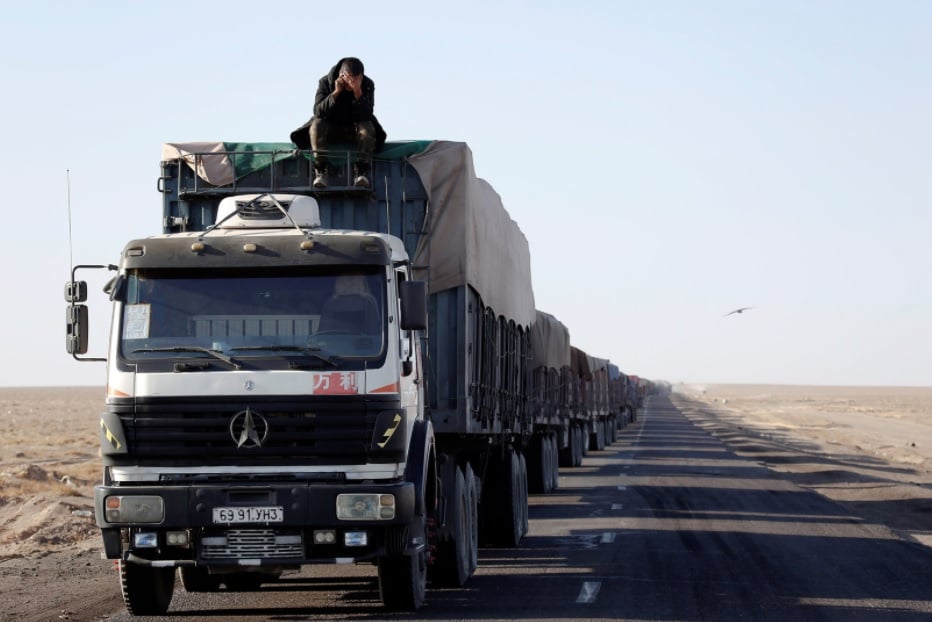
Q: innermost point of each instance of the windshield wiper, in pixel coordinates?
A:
(308, 350)
(217, 354)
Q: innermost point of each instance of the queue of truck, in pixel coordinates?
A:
(299, 376)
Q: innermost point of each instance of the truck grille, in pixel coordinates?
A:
(253, 544)
(198, 433)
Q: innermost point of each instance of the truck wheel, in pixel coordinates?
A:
(597, 437)
(451, 568)
(525, 513)
(147, 591)
(502, 501)
(537, 465)
(403, 570)
(566, 454)
(554, 463)
(575, 445)
(472, 496)
(545, 464)
(196, 579)
(583, 441)
(403, 577)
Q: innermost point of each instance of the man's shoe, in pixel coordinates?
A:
(361, 181)
(320, 180)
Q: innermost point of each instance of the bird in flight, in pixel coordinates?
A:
(741, 310)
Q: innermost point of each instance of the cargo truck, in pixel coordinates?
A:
(297, 376)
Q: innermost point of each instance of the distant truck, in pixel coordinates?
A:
(300, 376)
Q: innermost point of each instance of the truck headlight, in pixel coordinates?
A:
(369, 506)
(134, 509)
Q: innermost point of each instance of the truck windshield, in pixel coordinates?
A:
(324, 318)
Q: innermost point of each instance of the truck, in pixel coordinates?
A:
(300, 376)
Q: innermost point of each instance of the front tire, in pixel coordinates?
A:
(403, 570)
(451, 568)
(403, 577)
(147, 591)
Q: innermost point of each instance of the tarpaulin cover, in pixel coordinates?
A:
(471, 238)
(579, 362)
(550, 342)
(597, 364)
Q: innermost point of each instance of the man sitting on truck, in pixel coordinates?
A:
(343, 112)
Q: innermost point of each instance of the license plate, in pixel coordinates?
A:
(258, 514)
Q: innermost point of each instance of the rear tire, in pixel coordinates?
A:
(566, 454)
(502, 501)
(577, 446)
(147, 591)
(554, 463)
(525, 515)
(597, 438)
(472, 494)
(538, 469)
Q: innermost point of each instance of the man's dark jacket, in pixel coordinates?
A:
(344, 111)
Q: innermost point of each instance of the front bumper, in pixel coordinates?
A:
(307, 508)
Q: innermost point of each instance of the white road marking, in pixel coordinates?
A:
(588, 592)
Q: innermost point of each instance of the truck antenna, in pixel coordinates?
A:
(70, 243)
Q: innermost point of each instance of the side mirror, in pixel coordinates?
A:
(76, 324)
(76, 315)
(413, 305)
(75, 291)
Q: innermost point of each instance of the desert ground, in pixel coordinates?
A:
(868, 448)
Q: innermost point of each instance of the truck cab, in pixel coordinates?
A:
(265, 405)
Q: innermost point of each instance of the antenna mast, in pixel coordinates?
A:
(70, 244)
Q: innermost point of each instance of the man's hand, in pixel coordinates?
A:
(351, 83)
(340, 85)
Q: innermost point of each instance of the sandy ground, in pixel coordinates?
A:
(868, 448)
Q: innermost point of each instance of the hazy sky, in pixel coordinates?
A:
(668, 161)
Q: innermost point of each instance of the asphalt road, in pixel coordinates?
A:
(666, 524)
